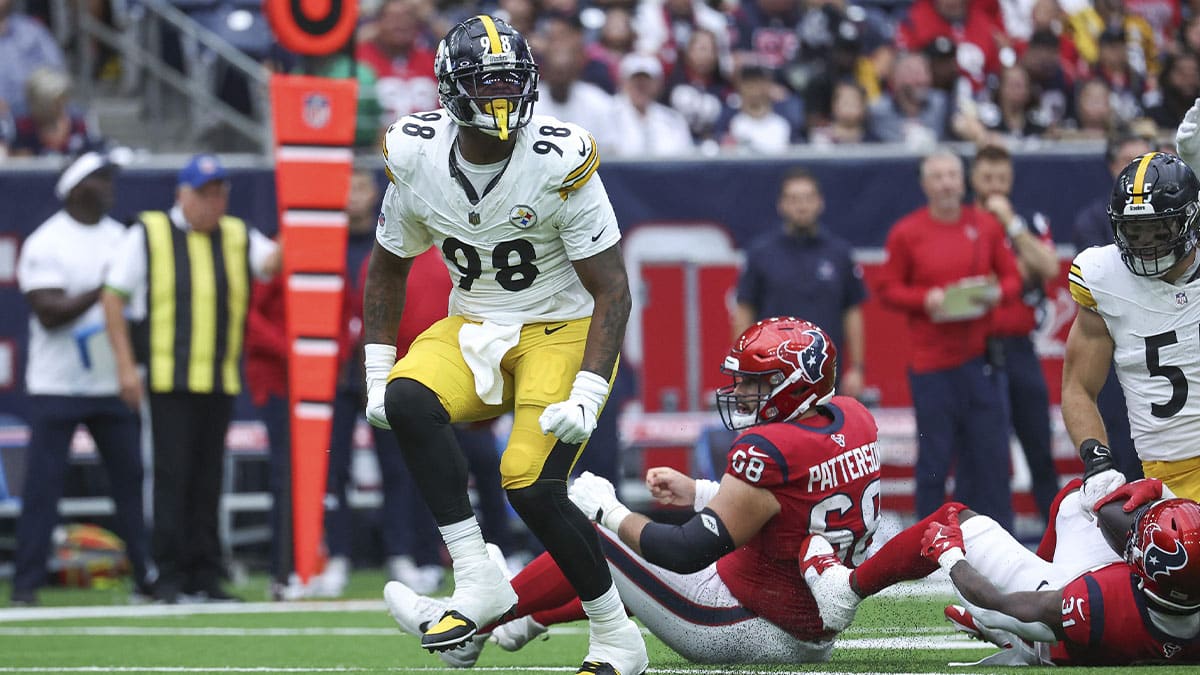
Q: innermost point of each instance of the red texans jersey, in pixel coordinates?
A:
(825, 474)
(1106, 622)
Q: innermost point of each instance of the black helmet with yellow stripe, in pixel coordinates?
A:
(487, 78)
(1153, 211)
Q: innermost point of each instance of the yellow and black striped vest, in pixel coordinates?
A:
(198, 290)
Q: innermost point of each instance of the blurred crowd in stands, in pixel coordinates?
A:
(676, 77)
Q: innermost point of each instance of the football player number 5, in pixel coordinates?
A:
(836, 510)
(1174, 374)
(512, 260)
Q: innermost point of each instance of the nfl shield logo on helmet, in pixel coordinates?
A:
(522, 216)
(317, 110)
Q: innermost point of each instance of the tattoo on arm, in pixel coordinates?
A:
(603, 275)
(383, 295)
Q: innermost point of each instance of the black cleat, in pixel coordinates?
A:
(451, 631)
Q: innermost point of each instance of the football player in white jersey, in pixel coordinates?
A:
(1140, 310)
(537, 316)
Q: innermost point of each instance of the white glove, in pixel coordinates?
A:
(597, 498)
(1187, 136)
(1096, 487)
(574, 420)
(378, 361)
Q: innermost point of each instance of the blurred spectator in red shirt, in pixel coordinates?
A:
(403, 64)
(974, 26)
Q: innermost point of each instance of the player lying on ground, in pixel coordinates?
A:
(724, 587)
(1074, 602)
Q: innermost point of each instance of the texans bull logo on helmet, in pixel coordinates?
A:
(810, 360)
(1156, 560)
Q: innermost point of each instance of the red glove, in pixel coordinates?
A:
(943, 543)
(1135, 494)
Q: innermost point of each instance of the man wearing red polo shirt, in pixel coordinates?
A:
(947, 265)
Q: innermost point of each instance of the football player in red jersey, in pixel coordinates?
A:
(1084, 605)
(724, 587)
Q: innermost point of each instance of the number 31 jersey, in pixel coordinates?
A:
(1156, 329)
(509, 250)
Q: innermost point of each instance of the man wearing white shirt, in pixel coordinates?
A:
(190, 269)
(71, 376)
(647, 127)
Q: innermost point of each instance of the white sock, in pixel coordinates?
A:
(606, 610)
(464, 540)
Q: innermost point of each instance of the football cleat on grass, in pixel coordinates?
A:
(414, 613)
(482, 596)
(620, 649)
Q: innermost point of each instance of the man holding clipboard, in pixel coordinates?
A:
(948, 264)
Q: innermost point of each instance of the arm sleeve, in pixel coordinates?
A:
(396, 232)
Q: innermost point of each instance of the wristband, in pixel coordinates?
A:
(378, 360)
(705, 491)
(590, 387)
(1096, 456)
(612, 519)
(950, 557)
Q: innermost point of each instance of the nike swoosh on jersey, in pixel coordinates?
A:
(597, 237)
(552, 331)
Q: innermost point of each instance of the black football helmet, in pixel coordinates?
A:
(487, 78)
(1153, 213)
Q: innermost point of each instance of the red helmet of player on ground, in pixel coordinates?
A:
(781, 368)
(1164, 548)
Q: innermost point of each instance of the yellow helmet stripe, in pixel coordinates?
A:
(1139, 177)
(492, 33)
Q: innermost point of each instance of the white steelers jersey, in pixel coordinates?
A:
(509, 254)
(1156, 328)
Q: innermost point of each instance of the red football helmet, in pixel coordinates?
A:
(1164, 548)
(781, 368)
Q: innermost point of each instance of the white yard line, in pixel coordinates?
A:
(405, 669)
(685, 670)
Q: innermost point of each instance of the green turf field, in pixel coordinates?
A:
(96, 631)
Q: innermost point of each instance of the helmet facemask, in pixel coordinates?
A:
(493, 92)
(1152, 244)
(747, 401)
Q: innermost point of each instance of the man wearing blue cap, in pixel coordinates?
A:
(186, 272)
(70, 376)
